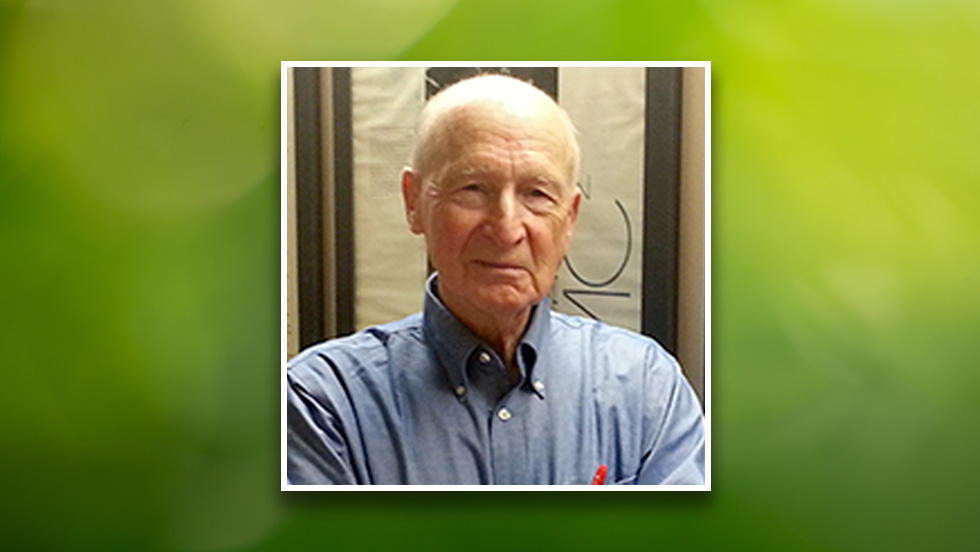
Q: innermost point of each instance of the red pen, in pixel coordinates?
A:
(600, 475)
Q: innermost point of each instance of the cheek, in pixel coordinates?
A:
(446, 235)
(547, 252)
(558, 237)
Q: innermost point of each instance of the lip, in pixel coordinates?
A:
(499, 266)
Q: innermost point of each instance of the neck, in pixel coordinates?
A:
(503, 335)
(501, 330)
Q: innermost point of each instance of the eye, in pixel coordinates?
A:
(472, 195)
(469, 185)
(539, 195)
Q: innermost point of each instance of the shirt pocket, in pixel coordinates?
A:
(628, 480)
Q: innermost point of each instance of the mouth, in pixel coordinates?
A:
(493, 265)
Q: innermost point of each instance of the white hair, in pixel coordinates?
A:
(499, 91)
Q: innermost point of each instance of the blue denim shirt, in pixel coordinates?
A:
(424, 401)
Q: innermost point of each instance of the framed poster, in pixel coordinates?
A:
(359, 265)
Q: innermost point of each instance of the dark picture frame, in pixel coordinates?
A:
(661, 174)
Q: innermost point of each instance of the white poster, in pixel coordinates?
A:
(390, 261)
(602, 275)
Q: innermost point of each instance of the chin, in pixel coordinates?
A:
(506, 299)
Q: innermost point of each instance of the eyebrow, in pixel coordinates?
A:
(461, 170)
(545, 180)
(470, 172)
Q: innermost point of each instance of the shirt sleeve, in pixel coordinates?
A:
(676, 453)
(317, 449)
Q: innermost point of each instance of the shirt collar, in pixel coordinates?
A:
(454, 344)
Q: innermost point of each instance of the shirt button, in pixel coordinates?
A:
(539, 385)
(484, 357)
(503, 414)
(460, 391)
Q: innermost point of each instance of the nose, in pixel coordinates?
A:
(505, 225)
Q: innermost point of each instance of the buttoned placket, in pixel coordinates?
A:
(486, 397)
(508, 429)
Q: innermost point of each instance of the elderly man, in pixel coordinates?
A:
(487, 385)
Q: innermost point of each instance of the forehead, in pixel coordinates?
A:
(480, 136)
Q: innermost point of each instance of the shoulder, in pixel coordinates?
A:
(364, 353)
(601, 339)
(622, 365)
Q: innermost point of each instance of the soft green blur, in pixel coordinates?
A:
(139, 287)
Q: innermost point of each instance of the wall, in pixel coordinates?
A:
(691, 288)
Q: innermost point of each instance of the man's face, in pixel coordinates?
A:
(497, 210)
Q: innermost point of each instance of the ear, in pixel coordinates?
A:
(573, 214)
(410, 194)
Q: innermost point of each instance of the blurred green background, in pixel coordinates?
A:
(139, 284)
